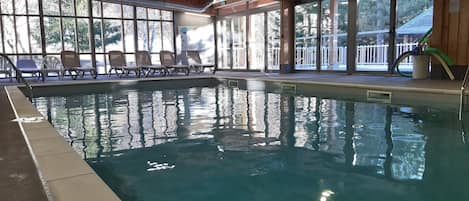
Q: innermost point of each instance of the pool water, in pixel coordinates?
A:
(231, 144)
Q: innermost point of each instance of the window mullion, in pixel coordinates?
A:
(148, 31)
(61, 25)
(41, 26)
(14, 28)
(123, 29)
(92, 32)
(77, 42)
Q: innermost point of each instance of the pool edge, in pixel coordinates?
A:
(64, 174)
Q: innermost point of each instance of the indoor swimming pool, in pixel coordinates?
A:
(236, 142)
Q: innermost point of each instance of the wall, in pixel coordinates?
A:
(451, 33)
(200, 35)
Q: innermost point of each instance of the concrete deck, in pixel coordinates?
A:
(324, 78)
(19, 178)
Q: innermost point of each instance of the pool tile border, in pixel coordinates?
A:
(65, 175)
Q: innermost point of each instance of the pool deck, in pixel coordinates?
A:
(19, 179)
(19, 175)
(378, 81)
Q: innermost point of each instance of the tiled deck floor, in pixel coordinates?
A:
(18, 177)
(323, 77)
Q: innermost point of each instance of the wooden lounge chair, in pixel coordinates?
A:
(143, 61)
(169, 61)
(52, 65)
(119, 64)
(71, 64)
(28, 66)
(6, 68)
(194, 61)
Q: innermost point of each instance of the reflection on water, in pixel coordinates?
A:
(374, 140)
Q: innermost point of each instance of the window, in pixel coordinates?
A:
(67, 27)
(142, 31)
(112, 35)
(117, 31)
(67, 7)
(373, 35)
(306, 16)
(334, 35)
(224, 44)
(82, 8)
(23, 34)
(129, 36)
(414, 19)
(9, 34)
(256, 42)
(168, 36)
(273, 34)
(53, 34)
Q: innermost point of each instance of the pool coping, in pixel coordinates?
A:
(265, 78)
(352, 85)
(64, 174)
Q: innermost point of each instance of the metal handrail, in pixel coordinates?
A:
(463, 93)
(19, 76)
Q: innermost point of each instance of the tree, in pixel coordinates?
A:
(54, 34)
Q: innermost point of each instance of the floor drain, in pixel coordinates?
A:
(380, 96)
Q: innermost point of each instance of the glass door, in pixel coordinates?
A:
(414, 19)
(306, 25)
(273, 40)
(373, 35)
(238, 29)
(224, 44)
(334, 35)
(256, 42)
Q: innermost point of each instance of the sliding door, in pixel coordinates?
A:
(257, 42)
(373, 35)
(224, 44)
(238, 29)
(306, 32)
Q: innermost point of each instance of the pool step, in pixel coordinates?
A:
(379, 96)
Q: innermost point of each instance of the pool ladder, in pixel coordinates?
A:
(462, 99)
(19, 76)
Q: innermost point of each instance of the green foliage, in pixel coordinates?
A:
(112, 33)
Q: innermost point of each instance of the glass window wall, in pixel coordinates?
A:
(67, 27)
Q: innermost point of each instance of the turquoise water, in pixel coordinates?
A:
(230, 144)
